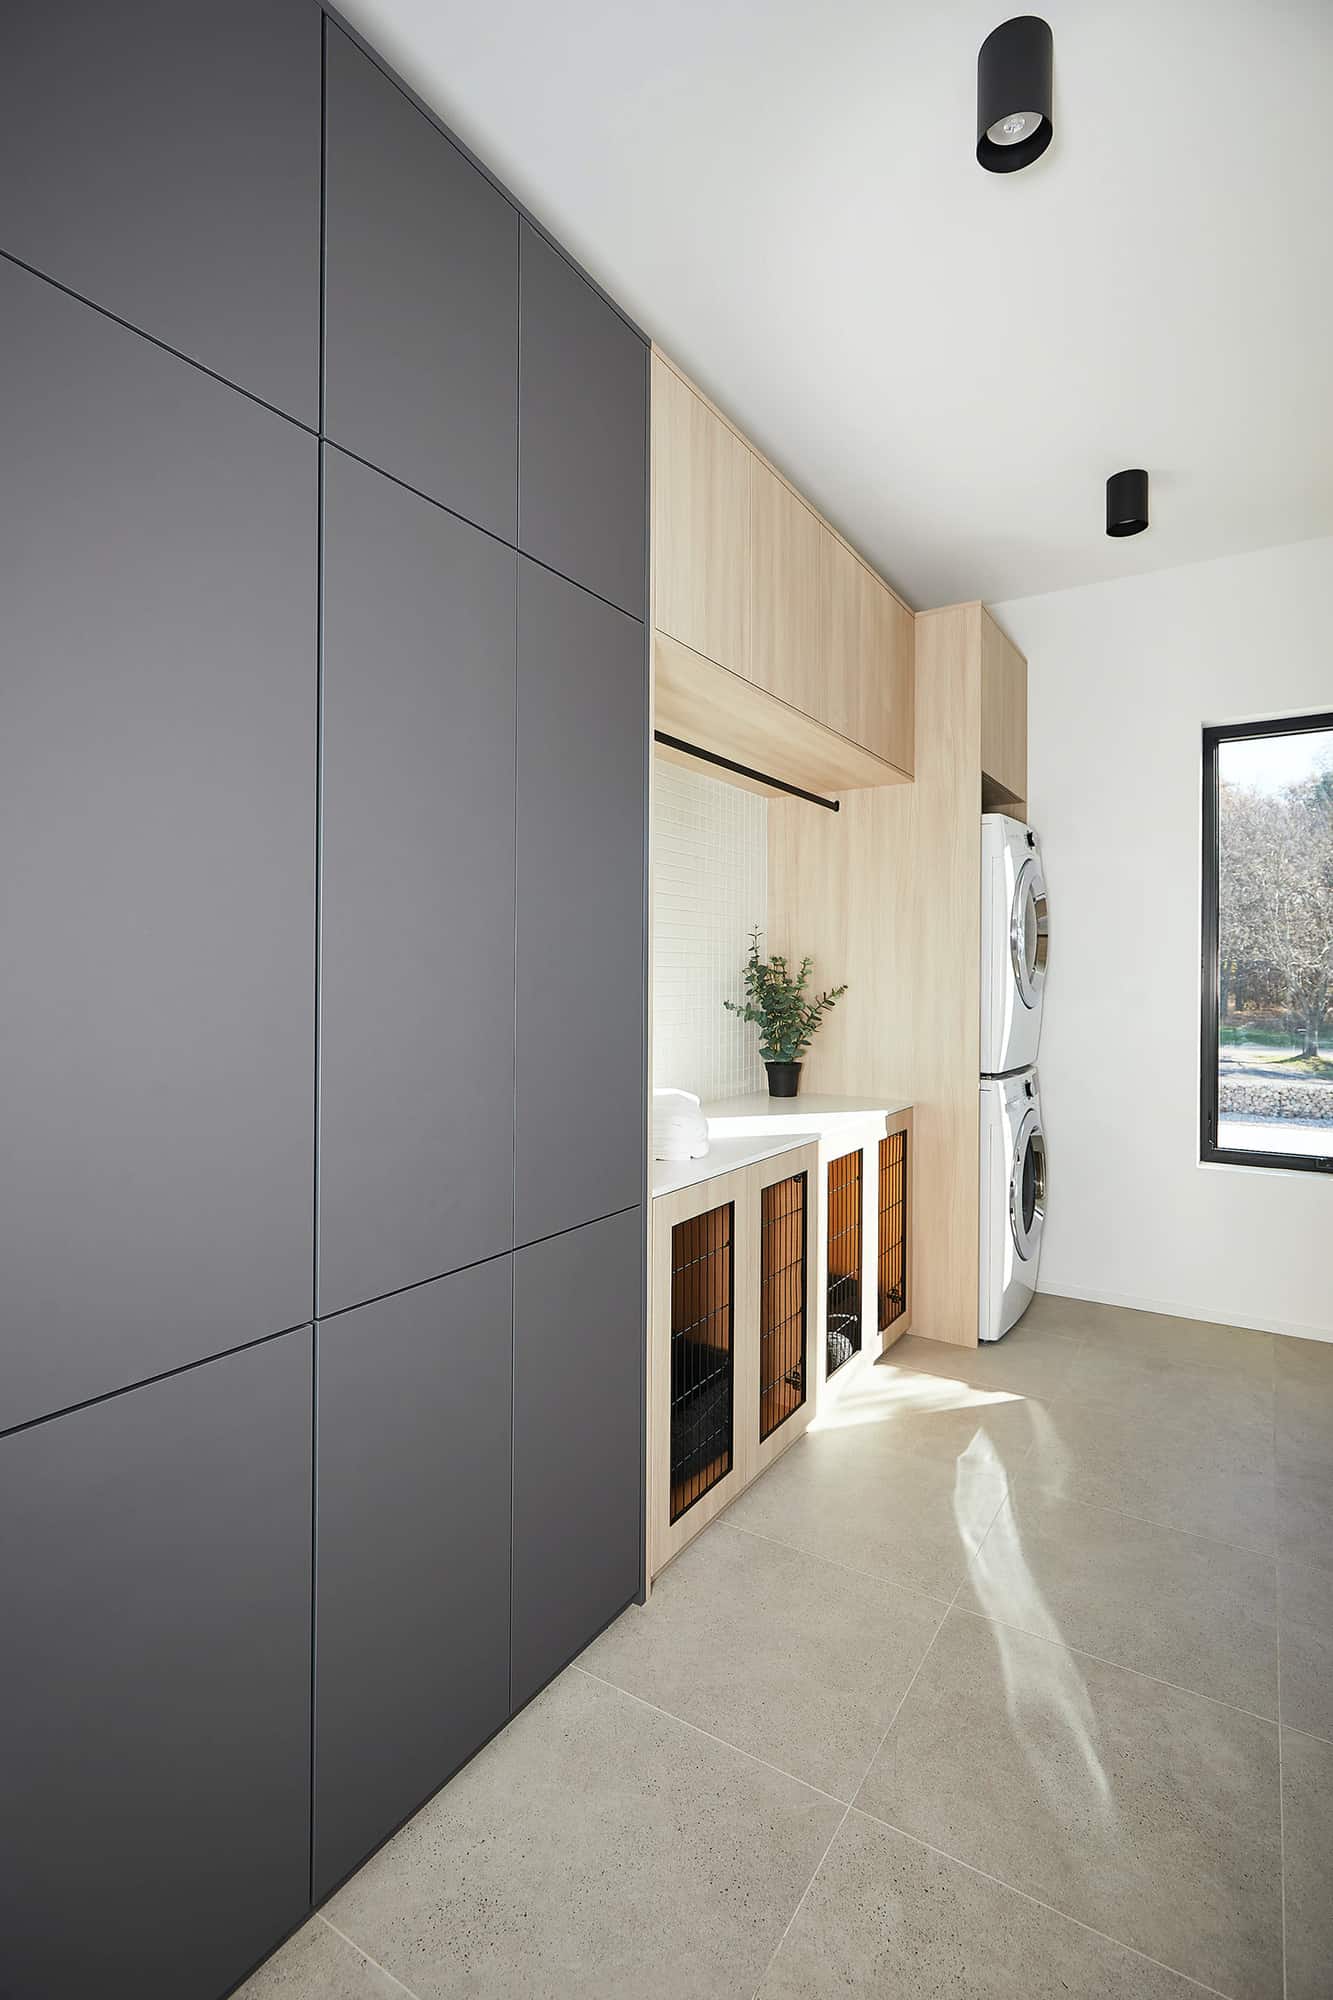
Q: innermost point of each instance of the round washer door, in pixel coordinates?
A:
(1027, 1186)
(1029, 932)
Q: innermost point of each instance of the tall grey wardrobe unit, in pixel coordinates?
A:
(323, 754)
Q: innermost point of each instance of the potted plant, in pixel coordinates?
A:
(785, 1016)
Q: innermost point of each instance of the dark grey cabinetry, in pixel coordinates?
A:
(421, 299)
(158, 572)
(161, 158)
(412, 1580)
(583, 412)
(417, 901)
(578, 1433)
(579, 1142)
(155, 1720)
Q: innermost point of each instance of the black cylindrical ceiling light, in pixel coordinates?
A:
(1014, 95)
(1127, 502)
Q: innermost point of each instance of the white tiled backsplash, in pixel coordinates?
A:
(710, 888)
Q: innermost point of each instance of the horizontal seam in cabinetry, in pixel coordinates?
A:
(456, 1270)
(147, 1381)
(163, 346)
(466, 519)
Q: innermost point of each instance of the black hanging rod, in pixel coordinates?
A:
(744, 771)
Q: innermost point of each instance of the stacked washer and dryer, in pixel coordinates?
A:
(1014, 942)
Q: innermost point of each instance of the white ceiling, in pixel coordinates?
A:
(949, 362)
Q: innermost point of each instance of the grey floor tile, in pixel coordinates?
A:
(1304, 1363)
(1189, 1342)
(889, 1919)
(781, 1653)
(1029, 1361)
(846, 1495)
(1182, 1607)
(1305, 1627)
(317, 1964)
(1307, 1799)
(1305, 1501)
(937, 1416)
(1141, 1386)
(1072, 1319)
(1150, 1814)
(1219, 1481)
(596, 1850)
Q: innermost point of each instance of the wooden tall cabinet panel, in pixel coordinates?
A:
(867, 651)
(412, 1586)
(155, 1726)
(162, 160)
(420, 299)
(416, 1047)
(159, 561)
(701, 524)
(578, 1441)
(785, 542)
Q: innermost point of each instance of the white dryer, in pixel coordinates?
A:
(1013, 1199)
(1015, 931)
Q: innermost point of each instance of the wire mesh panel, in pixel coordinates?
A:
(892, 1228)
(844, 1260)
(702, 1295)
(781, 1302)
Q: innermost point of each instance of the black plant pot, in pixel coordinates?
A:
(784, 1079)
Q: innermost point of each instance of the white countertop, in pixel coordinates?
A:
(809, 1114)
(724, 1156)
(745, 1130)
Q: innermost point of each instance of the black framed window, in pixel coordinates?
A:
(1266, 1043)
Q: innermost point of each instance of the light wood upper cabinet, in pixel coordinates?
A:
(866, 652)
(701, 524)
(1004, 719)
(784, 593)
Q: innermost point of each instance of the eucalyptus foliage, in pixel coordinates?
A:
(777, 1004)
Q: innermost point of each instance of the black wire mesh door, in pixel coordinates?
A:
(702, 1354)
(844, 1261)
(892, 1228)
(782, 1251)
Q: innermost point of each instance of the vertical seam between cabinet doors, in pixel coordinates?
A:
(513, 1094)
(319, 938)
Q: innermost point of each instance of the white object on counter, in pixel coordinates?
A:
(680, 1130)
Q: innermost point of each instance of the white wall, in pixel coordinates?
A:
(710, 887)
(1122, 677)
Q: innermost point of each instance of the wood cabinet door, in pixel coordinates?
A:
(866, 647)
(701, 524)
(784, 618)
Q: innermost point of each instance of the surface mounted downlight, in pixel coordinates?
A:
(1014, 68)
(1127, 502)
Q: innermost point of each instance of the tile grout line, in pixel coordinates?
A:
(696, 1729)
(898, 1707)
(848, 1569)
(1117, 1666)
(1026, 1896)
(391, 1977)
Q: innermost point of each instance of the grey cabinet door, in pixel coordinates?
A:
(159, 576)
(417, 901)
(161, 158)
(581, 1014)
(412, 1565)
(421, 299)
(155, 1725)
(583, 412)
(578, 1437)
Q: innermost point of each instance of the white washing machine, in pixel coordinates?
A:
(1015, 929)
(1013, 1199)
